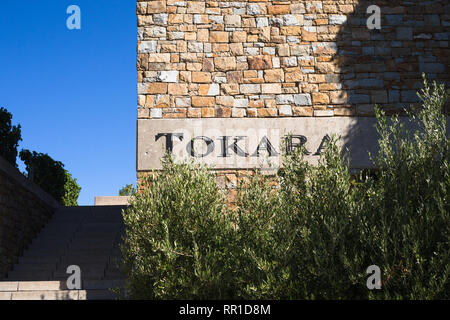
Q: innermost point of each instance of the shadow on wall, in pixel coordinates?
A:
(384, 67)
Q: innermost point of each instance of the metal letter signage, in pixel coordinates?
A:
(250, 143)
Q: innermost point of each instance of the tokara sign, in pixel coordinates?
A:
(250, 143)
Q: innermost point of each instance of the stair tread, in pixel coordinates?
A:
(88, 237)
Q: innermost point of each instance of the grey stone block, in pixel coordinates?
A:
(404, 33)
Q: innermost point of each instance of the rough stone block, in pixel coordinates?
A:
(260, 62)
(202, 101)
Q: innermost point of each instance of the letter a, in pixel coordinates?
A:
(374, 281)
(74, 281)
(74, 21)
(374, 21)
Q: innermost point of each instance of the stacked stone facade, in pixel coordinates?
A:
(259, 58)
(262, 58)
(24, 210)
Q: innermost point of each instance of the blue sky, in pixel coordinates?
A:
(74, 91)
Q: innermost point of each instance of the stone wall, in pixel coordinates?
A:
(24, 210)
(261, 58)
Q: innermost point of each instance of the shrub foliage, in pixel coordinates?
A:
(51, 176)
(310, 232)
(9, 137)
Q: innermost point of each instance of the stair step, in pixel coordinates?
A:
(46, 252)
(45, 295)
(57, 285)
(32, 267)
(97, 295)
(88, 237)
(9, 286)
(29, 277)
(28, 260)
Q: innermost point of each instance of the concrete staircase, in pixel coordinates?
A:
(88, 237)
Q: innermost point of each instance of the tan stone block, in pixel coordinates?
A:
(252, 112)
(271, 88)
(250, 74)
(298, 8)
(321, 22)
(279, 9)
(249, 89)
(230, 88)
(328, 86)
(157, 87)
(174, 58)
(208, 65)
(171, 9)
(175, 18)
(226, 101)
(274, 75)
(308, 36)
(254, 80)
(162, 101)
(346, 8)
(190, 36)
(270, 103)
(156, 6)
(218, 36)
(225, 63)
(326, 67)
(201, 77)
(295, 76)
(320, 98)
(264, 34)
(256, 104)
(208, 112)
(236, 49)
(201, 19)
(316, 78)
(168, 48)
(234, 77)
(195, 7)
(220, 47)
(260, 62)
(183, 102)
(159, 57)
(252, 38)
(203, 35)
(202, 101)
(175, 113)
(194, 113)
(233, 20)
(238, 112)
(283, 50)
(178, 89)
(223, 112)
(344, 111)
(181, 46)
(208, 89)
(149, 101)
(194, 66)
(143, 113)
(291, 31)
(338, 97)
(303, 111)
(239, 36)
(330, 8)
(185, 76)
(267, 112)
(249, 23)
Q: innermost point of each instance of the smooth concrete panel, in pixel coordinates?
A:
(112, 201)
